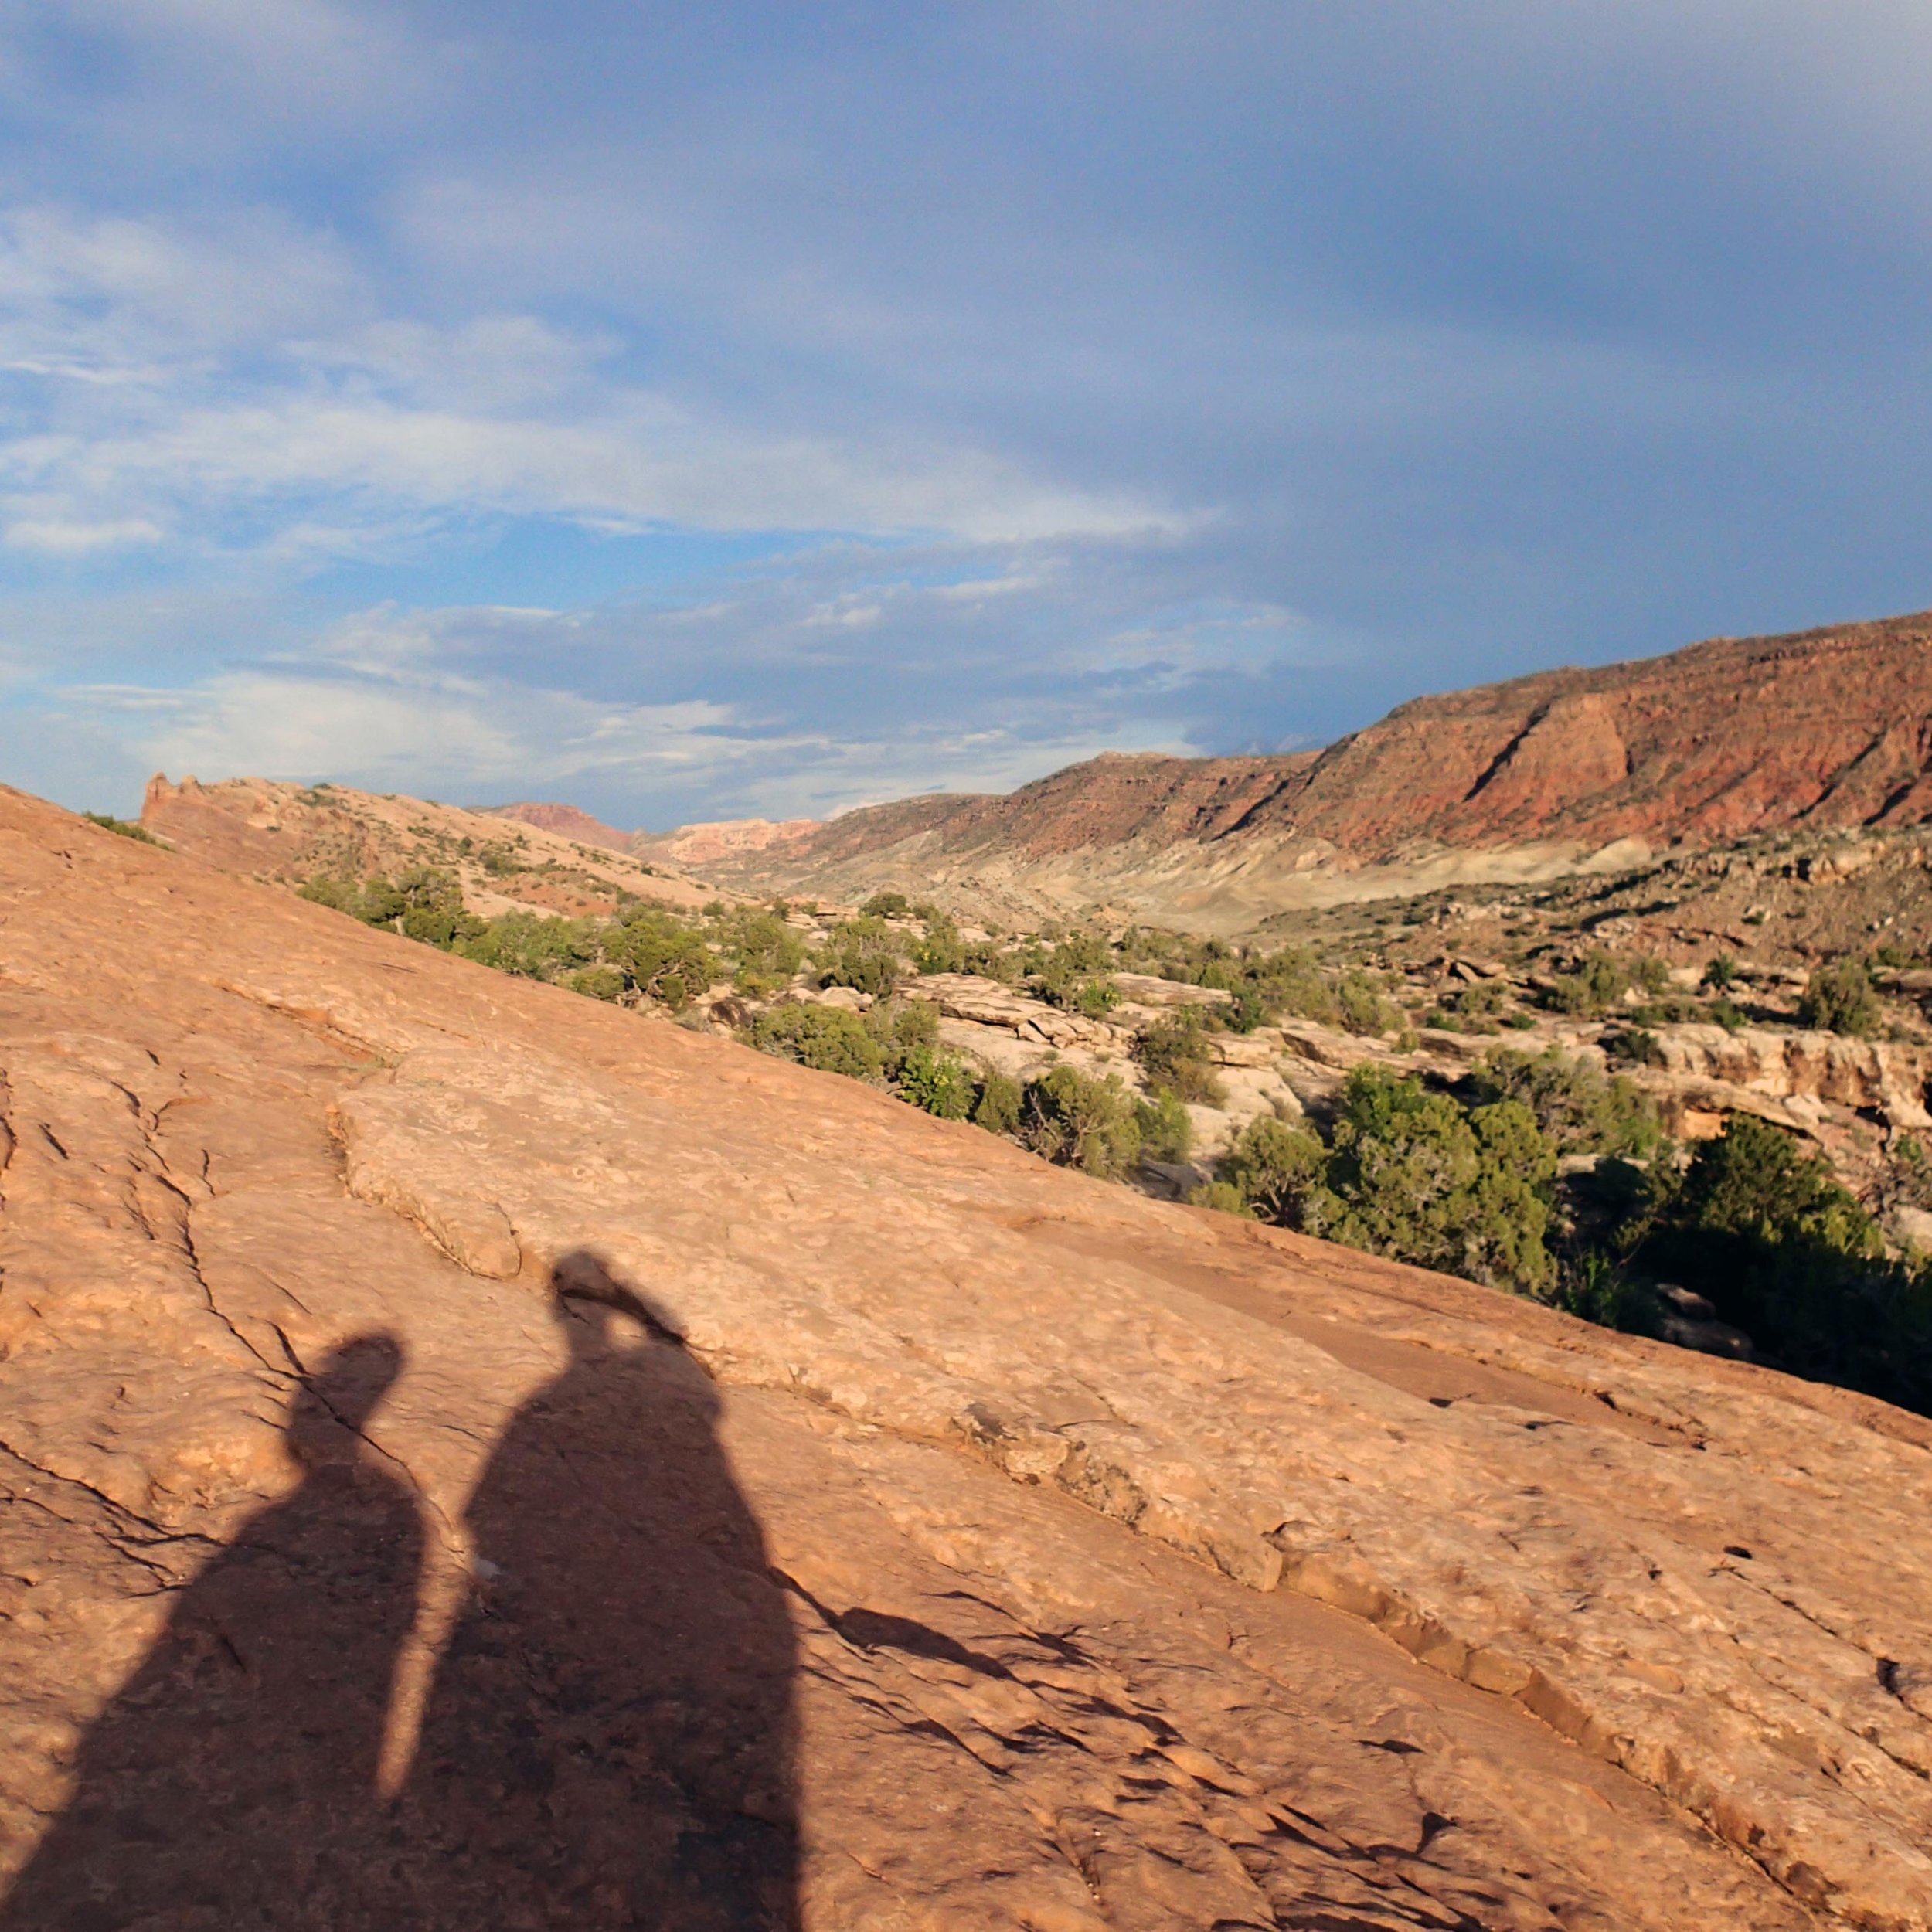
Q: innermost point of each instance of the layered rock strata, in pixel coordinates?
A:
(1523, 780)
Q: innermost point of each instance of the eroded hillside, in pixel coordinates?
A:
(887, 1528)
(1504, 783)
(290, 833)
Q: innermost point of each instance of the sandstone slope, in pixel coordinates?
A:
(1526, 780)
(953, 1543)
(289, 833)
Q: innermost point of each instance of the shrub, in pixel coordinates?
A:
(998, 1108)
(528, 944)
(826, 1038)
(1634, 1046)
(1289, 982)
(1363, 1006)
(431, 908)
(1095, 998)
(665, 960)
(763, 951)
(862, 953)
(1075, 973)
(338, 895)
(1411, 1175)
(1167, 1133)
(1755, 1182)
(1720, 973)
(902, 1028)
(1061, 984)
(1079, 1121)
(938, 1082)
(1591, 1286)
(941, 951)
(1578, 1109)
(990, 961)
(122, 828)
(598, 982)
(886, 906)
(1912, 1170)
(1173, 1052)
(1248, 1010)
(1649, 974)
(1224, 1197)
(1272, 1166)
(1764, 1230)
(1839, 999)
(1476, 1008)
(1596, 986)
(499, 861)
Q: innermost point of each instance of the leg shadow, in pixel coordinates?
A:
(231, 1782)
(610, 1741)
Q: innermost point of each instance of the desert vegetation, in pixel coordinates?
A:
(1518, 1125)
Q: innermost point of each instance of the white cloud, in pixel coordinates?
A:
(443, 735)
(391, 714)
(645, 460)
(104, 298)
(234, 378)
(63, 537)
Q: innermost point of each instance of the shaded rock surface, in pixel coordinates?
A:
(896, 1532)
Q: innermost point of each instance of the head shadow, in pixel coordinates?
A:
(341, 1393)
(612, 1733)
(233, 1780)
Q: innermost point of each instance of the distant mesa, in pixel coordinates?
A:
(696, 845)
(702, 845)
(566, 821)
(1565, 769)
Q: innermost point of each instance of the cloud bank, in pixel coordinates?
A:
(774, 409)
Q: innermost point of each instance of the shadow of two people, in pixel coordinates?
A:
(609, 1739)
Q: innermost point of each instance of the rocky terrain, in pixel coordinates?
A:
(1511, 783)
(1709, 953)
(1772, 907)
(477, 1455)
(287, 834)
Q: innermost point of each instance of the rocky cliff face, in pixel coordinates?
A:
(1739, 736)
(1735, 737)
(475, 1455)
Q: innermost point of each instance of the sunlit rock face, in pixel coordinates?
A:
(1526, 780)
(477, 1456)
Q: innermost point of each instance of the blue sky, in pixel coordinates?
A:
(706, 412)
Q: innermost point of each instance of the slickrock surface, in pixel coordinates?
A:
(1520, 781)
(893, 1531)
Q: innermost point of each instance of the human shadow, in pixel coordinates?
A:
(231, 1782)
(609, 1741)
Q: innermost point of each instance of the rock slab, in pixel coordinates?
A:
(554, 1467)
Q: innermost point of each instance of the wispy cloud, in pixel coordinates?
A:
(170, 382)
(65, 537)
(779, 405)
